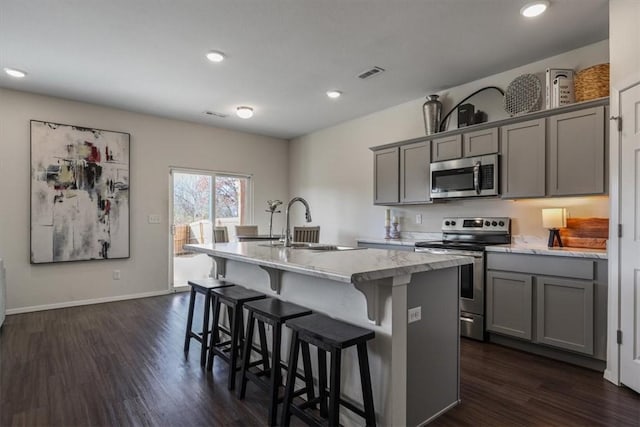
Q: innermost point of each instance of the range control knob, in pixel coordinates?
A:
(494, 223)
(447, 223)
(487, 223)
(453, 223)
(501, 223)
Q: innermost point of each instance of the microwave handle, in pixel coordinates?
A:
(476, 177)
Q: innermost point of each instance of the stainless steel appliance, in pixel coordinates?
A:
(469, 236)
(468, 177)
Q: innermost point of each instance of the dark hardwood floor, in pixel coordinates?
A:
(122, 364)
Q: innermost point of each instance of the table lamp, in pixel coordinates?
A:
(553, 219)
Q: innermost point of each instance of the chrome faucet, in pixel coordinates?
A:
(307, 214)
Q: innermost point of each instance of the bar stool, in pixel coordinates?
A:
(234, 297)
(273, 312)
(329, 336)
(203, 287)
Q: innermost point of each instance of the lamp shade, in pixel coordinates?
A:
(554, 218)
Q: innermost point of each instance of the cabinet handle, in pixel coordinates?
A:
(476, 177)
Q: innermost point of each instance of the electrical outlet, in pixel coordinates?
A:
(418, 218)
(415, 314)
(116, 274)
(154, 219)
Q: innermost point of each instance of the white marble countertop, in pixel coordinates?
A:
(399, 242)
(350, 266)
(528, 248)
(528, 245)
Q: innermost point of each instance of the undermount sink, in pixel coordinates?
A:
(311, 246)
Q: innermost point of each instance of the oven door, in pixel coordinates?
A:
(470, 177)
(471, 291)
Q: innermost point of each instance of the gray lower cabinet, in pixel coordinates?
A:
(564, 313)
(523, 159)
(509, 302)
(559, 302)
(577, 152)
(386, 172)
(415, 178)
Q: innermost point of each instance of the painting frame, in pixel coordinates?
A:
(80, 204)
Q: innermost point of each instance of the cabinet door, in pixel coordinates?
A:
(564, 313)
(576, 152)
(447, 148)
(480, 142)
(523, 159)
(386, 176)
(509, 302)
(415, 184)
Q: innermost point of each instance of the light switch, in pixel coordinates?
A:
(154, 219)
(418, 218)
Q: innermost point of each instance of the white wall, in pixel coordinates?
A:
(333, 168)
(156, 144)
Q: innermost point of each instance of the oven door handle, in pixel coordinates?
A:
(466, 319)
(476, 177)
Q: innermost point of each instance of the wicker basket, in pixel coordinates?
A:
(592, 82)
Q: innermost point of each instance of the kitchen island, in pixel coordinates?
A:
(414, 359)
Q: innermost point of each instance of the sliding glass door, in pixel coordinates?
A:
(202, 201)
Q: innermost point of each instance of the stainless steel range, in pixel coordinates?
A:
(469, 236)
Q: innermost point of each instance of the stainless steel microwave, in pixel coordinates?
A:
(468, 177)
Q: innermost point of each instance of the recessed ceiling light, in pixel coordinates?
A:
(334, 93)
(244, 112)
(15, 73)
(535, 8)
(215, 56)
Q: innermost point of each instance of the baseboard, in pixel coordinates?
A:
(85, 302)
(610, 376)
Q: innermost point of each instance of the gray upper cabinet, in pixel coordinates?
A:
(556, 152)
(523, 159)
(564, 313)
(414, 172)
(386, 172)
(577, 152)
(509, 297)
(480, 142)
(447, 148)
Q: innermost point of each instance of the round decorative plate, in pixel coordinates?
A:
(523, 95)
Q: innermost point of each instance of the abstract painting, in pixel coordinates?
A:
(79, 193)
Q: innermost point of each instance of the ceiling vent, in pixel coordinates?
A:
(373, 71)
(213, 113)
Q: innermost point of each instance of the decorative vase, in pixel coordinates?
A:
(432, 111)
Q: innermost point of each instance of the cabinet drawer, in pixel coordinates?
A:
(542, 265)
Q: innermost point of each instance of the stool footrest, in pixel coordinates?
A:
(307, 417)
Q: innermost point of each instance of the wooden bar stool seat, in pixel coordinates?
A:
(204, 287)
(329, 336)
(234, 297)
(274, 312)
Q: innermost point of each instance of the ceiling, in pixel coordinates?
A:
(282, 55)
